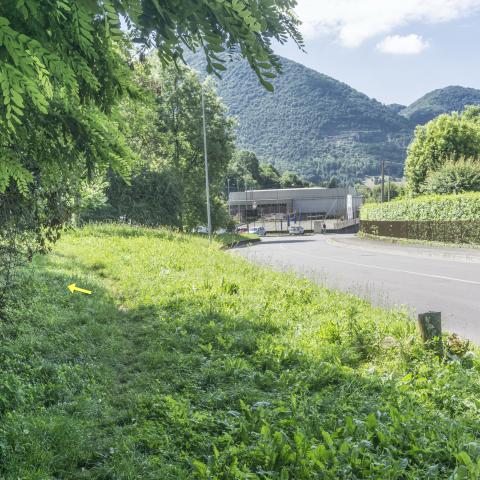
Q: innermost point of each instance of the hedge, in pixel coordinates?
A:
(465, 206)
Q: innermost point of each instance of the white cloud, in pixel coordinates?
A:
(354, 21)
(402, 45)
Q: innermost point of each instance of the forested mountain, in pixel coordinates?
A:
(312, 124)
(319, 127)
(396, 107)
(443, 100)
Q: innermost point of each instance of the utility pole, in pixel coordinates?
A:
(207, 185)
(346, 198)
(388, 190)
(383, 181)
(246, 205)
(228, 195)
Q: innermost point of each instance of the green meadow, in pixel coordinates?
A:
(189, 363)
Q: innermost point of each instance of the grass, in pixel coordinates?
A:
(186, 363)
(232, 239)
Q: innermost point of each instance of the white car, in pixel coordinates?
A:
(296, 230)
(260, 231)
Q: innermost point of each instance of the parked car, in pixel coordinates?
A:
(260, 231)
(203, 230)
(296, 230)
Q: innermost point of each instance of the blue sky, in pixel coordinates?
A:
(392, 50)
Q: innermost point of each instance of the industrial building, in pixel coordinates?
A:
(295, 204)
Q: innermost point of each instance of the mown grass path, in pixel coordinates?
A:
(187, 363)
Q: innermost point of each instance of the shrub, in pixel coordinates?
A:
(454, 177)
(465, 206)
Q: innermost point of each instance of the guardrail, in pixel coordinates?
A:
(455, 231)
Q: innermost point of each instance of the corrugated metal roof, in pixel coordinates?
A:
(291, 193)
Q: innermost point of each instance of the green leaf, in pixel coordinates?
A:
(267, 85)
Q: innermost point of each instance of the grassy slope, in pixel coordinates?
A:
(232, 239)
(188, 363)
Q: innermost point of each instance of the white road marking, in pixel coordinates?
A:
(388, 269)
(447, 257)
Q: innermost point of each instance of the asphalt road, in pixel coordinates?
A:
(389, 275)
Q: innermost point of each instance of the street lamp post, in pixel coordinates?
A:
(207, 186)
(246, 205)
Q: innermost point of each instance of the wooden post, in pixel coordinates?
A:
(430, 325)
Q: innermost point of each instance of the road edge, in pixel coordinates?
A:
(453, 257)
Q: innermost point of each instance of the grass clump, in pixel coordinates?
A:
(187, 363)
(232, 239)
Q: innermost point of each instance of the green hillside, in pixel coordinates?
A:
(396, 107)
(312, 123)
(443, 100)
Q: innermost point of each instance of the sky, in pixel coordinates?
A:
(391, 50)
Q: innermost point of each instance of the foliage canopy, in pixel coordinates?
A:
(447, 138)
(64, 64)
(167, 184)
(454, 177)
(465, 206)
(246, 172)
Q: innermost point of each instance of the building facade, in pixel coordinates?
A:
(297, 203)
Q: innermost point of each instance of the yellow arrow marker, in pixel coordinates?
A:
(73, 288)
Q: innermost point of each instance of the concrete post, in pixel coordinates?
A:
(430, 326)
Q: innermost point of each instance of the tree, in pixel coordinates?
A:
(168, 179)
(65, 65)
(179, 119)
(62, 69)
(374, 194)
(245, 163)
(246, 170)
(454, 177)
(269, 176)
(334, 182)
(447, 138)
(292, 180)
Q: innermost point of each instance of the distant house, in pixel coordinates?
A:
(370, 182)
(296, 203)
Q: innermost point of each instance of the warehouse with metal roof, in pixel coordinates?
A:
(297, 203)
